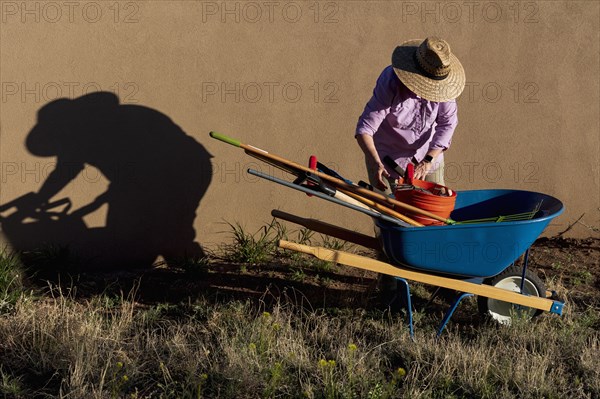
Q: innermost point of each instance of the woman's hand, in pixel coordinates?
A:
(422, 169)
(375, 168)
(376, 174)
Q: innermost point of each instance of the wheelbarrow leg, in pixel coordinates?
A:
(451, 310)
(525, 264)
(403, 292)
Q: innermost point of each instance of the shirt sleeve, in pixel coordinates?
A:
(380, 103)
(446, 122)
(63, 173)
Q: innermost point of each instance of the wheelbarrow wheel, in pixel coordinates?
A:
(510, 279)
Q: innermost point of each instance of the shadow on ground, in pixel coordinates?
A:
(340, 287)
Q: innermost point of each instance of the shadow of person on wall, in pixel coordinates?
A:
(157, 174)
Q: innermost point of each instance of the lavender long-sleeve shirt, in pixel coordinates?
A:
(404, 125)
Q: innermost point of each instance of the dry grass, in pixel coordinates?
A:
(55, 346)
(104, 348)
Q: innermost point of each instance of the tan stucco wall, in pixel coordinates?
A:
(293, 77)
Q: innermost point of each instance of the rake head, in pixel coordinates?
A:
(506, 218)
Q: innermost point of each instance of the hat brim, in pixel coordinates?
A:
(408, 72)
(39, 143)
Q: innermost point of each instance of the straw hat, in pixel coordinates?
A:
(63, 120)
(429, 69)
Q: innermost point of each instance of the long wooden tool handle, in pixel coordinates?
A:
(274, 159)
(346, 198)
(381, 208)
(362, 262)
(318, 194)
(344, 195)
(338, 194)
(329, 229)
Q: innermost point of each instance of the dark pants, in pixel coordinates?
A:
(387, 283)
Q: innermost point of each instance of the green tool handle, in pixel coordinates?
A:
(225, 139)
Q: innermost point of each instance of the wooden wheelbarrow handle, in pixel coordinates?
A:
(364, 263)
(329, 229)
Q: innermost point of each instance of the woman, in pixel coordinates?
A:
(412, 114)
(411, 117)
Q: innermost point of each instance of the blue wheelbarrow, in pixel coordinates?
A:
(469, 258)
(473, 253)
(481, 252)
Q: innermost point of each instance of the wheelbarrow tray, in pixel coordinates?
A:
(471, 250)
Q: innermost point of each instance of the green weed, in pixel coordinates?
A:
(10, 386)
(193, 266)
(51, 257)
(583, 277)
(253, 248)
(557, 266)
(11, 279)
(298, 274)
(305, 236)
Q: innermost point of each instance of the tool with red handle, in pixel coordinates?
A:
(312, 164)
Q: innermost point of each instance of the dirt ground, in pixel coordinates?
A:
(570, 266)
(573, 263)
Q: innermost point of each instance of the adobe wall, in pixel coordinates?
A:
(291, 77)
